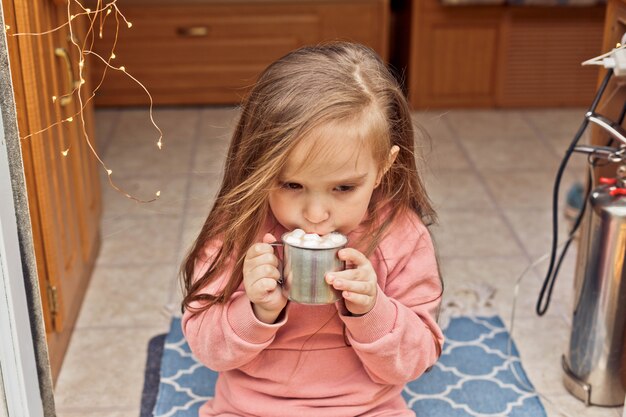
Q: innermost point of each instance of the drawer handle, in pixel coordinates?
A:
(67, 98)
(193, 31)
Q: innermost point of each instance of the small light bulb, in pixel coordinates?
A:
(109, 171)
(72, 17)
(109, 11)
(82, 81)
(6, 28)
(158, 193)
(54, 99)
(65, 152)
(88, 10)
(112, 56)
(122, 68)
(81, 64)
(69, 119)
(160, 144)
(130, 25)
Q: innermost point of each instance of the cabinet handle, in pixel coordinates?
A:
(193, 31)
(67, 98)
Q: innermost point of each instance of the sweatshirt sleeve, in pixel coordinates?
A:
(399, 338)
(226, 336)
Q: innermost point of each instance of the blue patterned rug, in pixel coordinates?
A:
(474, 376)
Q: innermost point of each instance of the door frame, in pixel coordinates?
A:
(17, 351)
(24, 365)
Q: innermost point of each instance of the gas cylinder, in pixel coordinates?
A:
(595, 361)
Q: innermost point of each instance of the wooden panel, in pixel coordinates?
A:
(465, 60)
(541, 64)
(63, 197)
(158, 22)
(211, 53)
(501, 56)
(453, 55)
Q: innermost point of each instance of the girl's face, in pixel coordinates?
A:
(327, 183)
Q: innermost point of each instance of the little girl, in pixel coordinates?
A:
(324, 144)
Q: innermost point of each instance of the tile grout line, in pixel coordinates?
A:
(483, 183)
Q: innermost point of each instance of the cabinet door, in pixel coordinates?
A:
(63, 191)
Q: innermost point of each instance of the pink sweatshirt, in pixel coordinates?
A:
(319, 361)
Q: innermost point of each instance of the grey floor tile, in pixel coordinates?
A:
(458, 189)
(141, 239)
(434, 124)
(534, 229)
(526, 189)
(217, 126)
(489, 124)
(191, 229)
(135, 126)
(147, 160)
(171, 200)
(104, 367)
(567, 405)
(474, 233)
(90, 412)
(203, 190)
(556, 123)
(219, 119)
(441, 155)
(509, 154)
(210, 156)
(105, 124)
(128, 296)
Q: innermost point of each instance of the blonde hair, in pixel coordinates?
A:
(307, 88)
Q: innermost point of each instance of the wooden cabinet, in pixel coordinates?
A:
(199, 52)
(500, 55)
(63, 191)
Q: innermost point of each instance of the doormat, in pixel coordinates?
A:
(474, 377)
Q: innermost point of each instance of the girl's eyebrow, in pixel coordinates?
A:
(355, 179)
(349, 180)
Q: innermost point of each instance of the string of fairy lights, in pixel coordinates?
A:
(97, 18)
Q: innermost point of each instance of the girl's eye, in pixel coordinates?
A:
(292, 186)
(344, 188)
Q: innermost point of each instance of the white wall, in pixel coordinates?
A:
(3, 401)
(21, 395)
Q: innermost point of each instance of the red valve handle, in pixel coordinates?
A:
(617, 191)
(607, 181)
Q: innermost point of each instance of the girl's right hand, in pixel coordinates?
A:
(260, 280)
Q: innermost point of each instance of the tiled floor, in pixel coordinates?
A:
(490, 174)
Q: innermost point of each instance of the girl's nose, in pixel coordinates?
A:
(315, 212)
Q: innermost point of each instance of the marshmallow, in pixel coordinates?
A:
(301, 239)
(291, 240)
(314, 237)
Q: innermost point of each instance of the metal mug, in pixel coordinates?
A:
(303, 273)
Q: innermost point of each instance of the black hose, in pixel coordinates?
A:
(545, 295)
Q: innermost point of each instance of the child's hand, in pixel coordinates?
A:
(358, 285)
(260, 279)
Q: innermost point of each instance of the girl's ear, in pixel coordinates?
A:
(393, 154)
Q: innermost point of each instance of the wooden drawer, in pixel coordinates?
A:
(211, 53)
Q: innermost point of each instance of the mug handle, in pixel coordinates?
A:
(280, 281)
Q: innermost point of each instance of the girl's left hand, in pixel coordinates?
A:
(359, 285)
